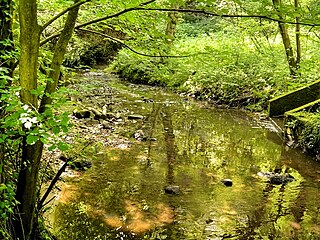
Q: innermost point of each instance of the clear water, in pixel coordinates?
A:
(197, 146)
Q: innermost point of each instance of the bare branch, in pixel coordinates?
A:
(132, 50)
(62, 13)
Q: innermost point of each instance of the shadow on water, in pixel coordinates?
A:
(194, 147)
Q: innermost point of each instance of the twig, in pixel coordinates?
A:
(146, 3)
(226, 15)
(51, 199)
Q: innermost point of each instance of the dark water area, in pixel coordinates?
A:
(193, 147)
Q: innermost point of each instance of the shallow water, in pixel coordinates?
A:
(194, 146)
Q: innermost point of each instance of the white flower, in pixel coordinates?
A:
(25, 107)
(33, 120)
(24, 119)
(28, 125)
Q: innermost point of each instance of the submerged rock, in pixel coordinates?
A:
(227, 182)
(80, 114)
(81, 164)
(172, 189)
(277, 178)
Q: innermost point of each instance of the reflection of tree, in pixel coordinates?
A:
(256, 219)
(263, 220)
(298, 216)
(170, 145)
(151, 121)
(298, 208)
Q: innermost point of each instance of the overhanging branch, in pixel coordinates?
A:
(226, 15)
(90, 22)
(182, 11)
(44, 26)
(132, 50)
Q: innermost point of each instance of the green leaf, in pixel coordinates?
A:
(39, 91)
(51, 148)
(44, 140)
(3, 187)
(56, 130)
(63, 146)
(31, 139)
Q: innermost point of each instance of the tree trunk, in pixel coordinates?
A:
(58, 56)
(286, 40)
(6, 62)
(171, 26)
(298, 42)
(6, 37)
(31, 154)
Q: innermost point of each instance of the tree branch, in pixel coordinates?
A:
(225, 15)
(183, 11)
(93, 21)
(62, 13)
(146, 3)
(132, 50)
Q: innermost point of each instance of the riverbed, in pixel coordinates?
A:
(184, 169)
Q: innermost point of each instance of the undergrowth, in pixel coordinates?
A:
(223, 67)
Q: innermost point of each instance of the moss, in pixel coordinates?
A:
(304, 95)
(303, 127)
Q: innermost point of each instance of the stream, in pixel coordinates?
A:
(168, 177)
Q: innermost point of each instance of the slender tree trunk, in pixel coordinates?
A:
(31, 154)
(58, 56)
(6, 37)
(6, 62)
(286, 40)
(298, 42)
(171, 26)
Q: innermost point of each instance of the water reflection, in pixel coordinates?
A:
(122, 196)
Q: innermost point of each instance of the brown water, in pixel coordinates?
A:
(122, 196)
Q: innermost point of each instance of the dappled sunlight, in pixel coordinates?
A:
(68, 192)
(135, 219)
